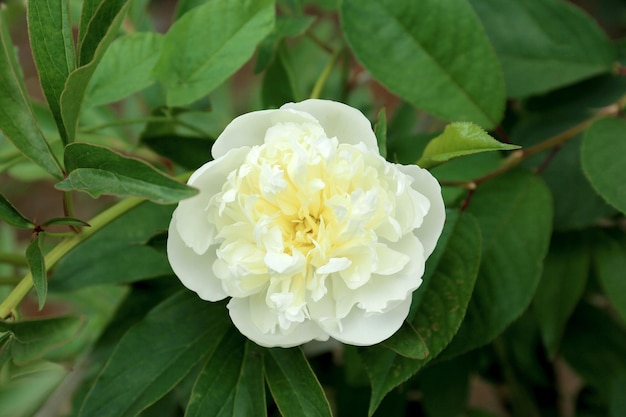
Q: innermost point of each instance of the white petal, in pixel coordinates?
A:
(389, 261)
(249, 129)
(430, 230)
(194, 228)
(339, 120)
(193, 270)
(242, 310)
(361, 329)
(334, 265)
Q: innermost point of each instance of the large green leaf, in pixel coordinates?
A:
(33, 339)
(17, 121)
(563, 281)
(208, 44)
(156, 354)
(293, 384)
(609, 263)
(459, 139)
(100, 21)
(515, 216)
(544, 44)
(123, 240)
(431, 53)
(231, 383)
(12, 216)
(441, 303)
(52, 45)
(126, 68)
(99, 170)
(604, 158)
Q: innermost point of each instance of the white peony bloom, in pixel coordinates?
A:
(306, 227)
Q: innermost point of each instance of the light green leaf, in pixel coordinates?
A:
(99, 170)
(231, 383)
(431, 53)
(34, 257)
(124, 239)
(514, 212)
(459, 139)
(544, 44)
(441, 302)
(155, 354)
(126, 68)
(563, 281)
(33, 339)
(100, 21)
(293, 384)
(603, 159)
(52, 45)
(609, 263)
(9, 214)
(208, 44)
(17, 121)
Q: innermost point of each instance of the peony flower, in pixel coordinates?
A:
(308, 230)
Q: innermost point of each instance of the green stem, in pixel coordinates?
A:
(323, 78)
(12, 259)
(59, 251)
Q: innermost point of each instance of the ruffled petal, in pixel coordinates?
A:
(339, 120)
(432, 226)
(242, 311)
(193, 270)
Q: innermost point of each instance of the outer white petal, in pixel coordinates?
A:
(192, 224)
(432, 226)
(241, 312)
(346, 123)
(193, 270)
(249, 129)
(361, 329)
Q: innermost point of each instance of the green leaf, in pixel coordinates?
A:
(34, 257)
(380, 129)
(293, 384)
(99, 170)
(66, 221)
(544, 44)
(100, 21)
(126, 68)
(459, 139)
(122, 240)
(609, 263)
(441, 303)
(408, 342)
(190, 152)
(231, 383)
(33, 339)
(279, 86)
(52, 45)
(286, 27)
(618, 399)
(208, 44)
(154, 355)
(562, 283)
(9, 214)
(431, 53)
(603, 150)
(17, 121)
(514, 212)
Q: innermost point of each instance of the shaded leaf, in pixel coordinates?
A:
(36, 263)
(17, 121)
(9, 214)
(156, 354)
(34, 338)
(603, 159)
(514, 212)
(289, 376)
(436, 56)
(50, 33)
(99, 170)
(208, 44)
(190, 152)
(459, 139)
(609, 263)
(380, 129)
(231, 383)
(408, 342)
(544, 44)
(285, 27)
(66, 221)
